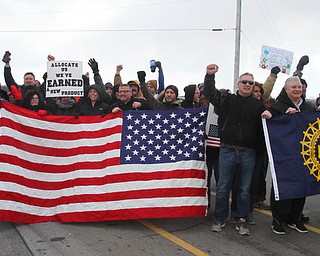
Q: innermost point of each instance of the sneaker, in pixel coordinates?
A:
(299, 227)
(232, 218)
(277, 228)
(241, 226)
(250, 219)
(217, 226)
(262, 205)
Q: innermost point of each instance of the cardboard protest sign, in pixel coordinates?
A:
(64, 79)
(271, 57)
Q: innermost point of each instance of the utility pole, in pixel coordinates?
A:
(237, 46)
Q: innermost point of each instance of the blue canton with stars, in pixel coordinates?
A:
(151, 136)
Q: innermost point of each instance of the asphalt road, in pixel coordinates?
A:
(184, 236)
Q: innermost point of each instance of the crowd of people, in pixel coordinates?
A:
(238, 159)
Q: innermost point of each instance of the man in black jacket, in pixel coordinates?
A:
(240, 131)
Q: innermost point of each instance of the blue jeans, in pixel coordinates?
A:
(232, 163)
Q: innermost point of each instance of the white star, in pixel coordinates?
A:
(158, 137)
(165, 121)
(143, 148)
(144, 137)
(128, 158)
(150, 142)
(142, 158)
(200, 155)
(144, 116)
(201, 123)
(172, 158)
(200, 143)
(158, 126)
(151, 121)
(165, 131)
(194, 130)
(129, 117)
(187, 115)
(135, 152)
(128, 147)
(200, 132)
(150, 153)
(173, 126)
(135, 142)
(172, 136)
(173, 115)
(144, 126)
(186, 154)
(195, 119)
(165, 152)
(180, 120)
(137, 121)
(187, 135)
(194, 149)
(173, 147)
(157, 147)
(186, 145)
(130, 127)
(179, 151)
(165, 141)
(158, 158)
(129, 137)
(180, 130)
(187, 125)
(179, 141)
(202, 113)
(158, 116)
(151, 131)
(136, 132)
(194, 138)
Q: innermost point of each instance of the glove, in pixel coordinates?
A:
(142, 77)
(42, 112)
(85, 79)
(45, 76)
(275, 70)
(158, 64)
(6, 57)
(303, 61)
(94, 65)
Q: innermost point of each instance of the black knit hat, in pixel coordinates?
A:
(172, 87)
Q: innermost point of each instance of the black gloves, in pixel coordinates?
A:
(6, 57)
(141, 77)
(275, 70)
(94, 65)
(303, 61)
(158, 64)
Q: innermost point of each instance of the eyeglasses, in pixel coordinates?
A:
(124, 91)
(247, 82)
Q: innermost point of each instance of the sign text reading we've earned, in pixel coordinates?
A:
(64, 79)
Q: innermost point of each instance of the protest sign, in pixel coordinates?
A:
(271, 57)
(64, 79)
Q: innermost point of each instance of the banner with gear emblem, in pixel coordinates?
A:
(293, 145)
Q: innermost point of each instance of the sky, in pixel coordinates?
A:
(176, 32)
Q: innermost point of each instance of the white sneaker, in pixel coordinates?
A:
(217, 226)
(241, 226)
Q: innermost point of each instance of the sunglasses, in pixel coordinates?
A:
(247, 82)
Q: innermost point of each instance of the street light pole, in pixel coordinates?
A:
(237, 47)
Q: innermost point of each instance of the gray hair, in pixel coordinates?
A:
(290, 79)
(245, 74)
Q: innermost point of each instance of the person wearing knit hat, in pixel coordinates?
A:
(170, 95)
(153, 87)
(192, 97)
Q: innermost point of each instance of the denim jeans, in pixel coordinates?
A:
(232, 163)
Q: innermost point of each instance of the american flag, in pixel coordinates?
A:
(129, 165)
(213, 141)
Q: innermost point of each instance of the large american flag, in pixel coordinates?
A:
(129, 165)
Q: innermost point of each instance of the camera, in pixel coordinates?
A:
(153, 65)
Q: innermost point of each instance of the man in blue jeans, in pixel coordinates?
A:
(240, 131)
